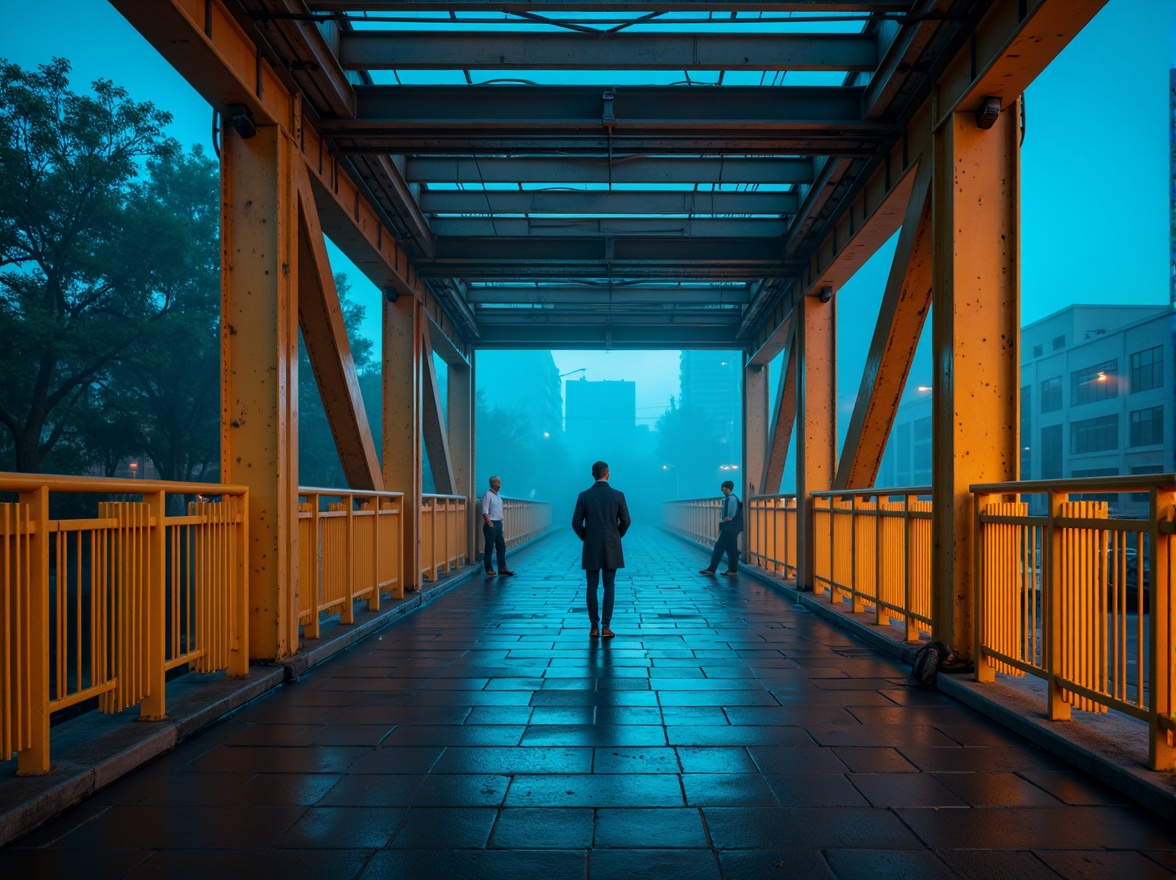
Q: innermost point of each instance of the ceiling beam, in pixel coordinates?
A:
(602, 295)
(606, 202)
(700, 170)
(491, 227)
(620, 50)
(773, 120)
(362, 7)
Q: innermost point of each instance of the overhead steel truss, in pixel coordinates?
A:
(572, 141)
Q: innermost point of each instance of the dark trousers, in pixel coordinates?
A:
(728, 543)
(610, 583)
(495, 544)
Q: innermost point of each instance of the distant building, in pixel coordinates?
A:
(1098, 398)
(600, 416)
(711, 386)
(522, 381)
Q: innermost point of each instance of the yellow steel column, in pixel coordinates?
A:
(259, 371)
(976, 341)
(755, 429)
(755, 443)
(816, 425)
(461, 445)
(33, 759)
(403, 349)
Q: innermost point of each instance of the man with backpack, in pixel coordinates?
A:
(730, 525)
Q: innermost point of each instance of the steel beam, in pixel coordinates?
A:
(682, 227)
(605, 335)
(320, 317)
(976, 348)
(783, 418)
(618, 169)
(259, 372)
(403, 349)
(905, 304)
(816, 425)
(436, 437)
(672, 252)
(363, 7)
(649, 315)
(606, 202)
(601, 294)
(603, 50)
(777, 120)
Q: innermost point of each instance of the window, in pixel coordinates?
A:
(921, 452)
(903, 455)
(1037, 351)
(1094, 435)
(1108, 497)
(1051, 452)
(1147, 427)
(1147, 369)
(1051, 394)
(1026, 431)
(1096, 382)
(1059, 342)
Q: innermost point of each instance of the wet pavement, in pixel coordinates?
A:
(724, 733)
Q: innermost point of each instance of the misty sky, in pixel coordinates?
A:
(1095, 171)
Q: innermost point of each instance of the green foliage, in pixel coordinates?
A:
(687, 441)
(88, 261)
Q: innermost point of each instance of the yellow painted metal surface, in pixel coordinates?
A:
(259, 371)
(134, 593)
(770, 537)
(350, 543)
(816, 427)
(976, 345)
(905, 304)
(401, 357)
(1080, 599)
(324, 333)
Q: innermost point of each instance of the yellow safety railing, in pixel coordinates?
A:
(444, 535)
(873, 550)
(694, 518)
(1081, 599)
(349, 543)
(523, 520)
(770, 534)
(101, 602)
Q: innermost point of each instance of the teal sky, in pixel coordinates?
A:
(1095, 169)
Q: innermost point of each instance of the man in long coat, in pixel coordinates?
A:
(601, 519)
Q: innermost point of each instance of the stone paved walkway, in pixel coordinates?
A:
(724, 733)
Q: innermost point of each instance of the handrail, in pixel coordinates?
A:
(102, 605)
(349, 543)
(1080, 599)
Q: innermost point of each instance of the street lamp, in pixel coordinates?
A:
(134, 470)
(677, 482)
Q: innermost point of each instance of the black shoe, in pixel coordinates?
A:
(710, 572)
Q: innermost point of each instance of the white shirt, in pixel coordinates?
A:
(492, 505)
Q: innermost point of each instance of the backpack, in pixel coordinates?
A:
(927, 661)
(737, 520)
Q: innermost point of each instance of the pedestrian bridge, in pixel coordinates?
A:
(729, 730)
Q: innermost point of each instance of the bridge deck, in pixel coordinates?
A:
(724, 732)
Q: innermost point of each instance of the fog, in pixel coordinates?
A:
(541, 432)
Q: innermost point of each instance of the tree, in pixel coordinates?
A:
(87, 261)
(687, 441)
(163, 390)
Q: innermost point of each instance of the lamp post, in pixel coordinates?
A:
(677, 482)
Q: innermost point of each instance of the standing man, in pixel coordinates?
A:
(601, 519)
(492, 529)
(730, 525)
